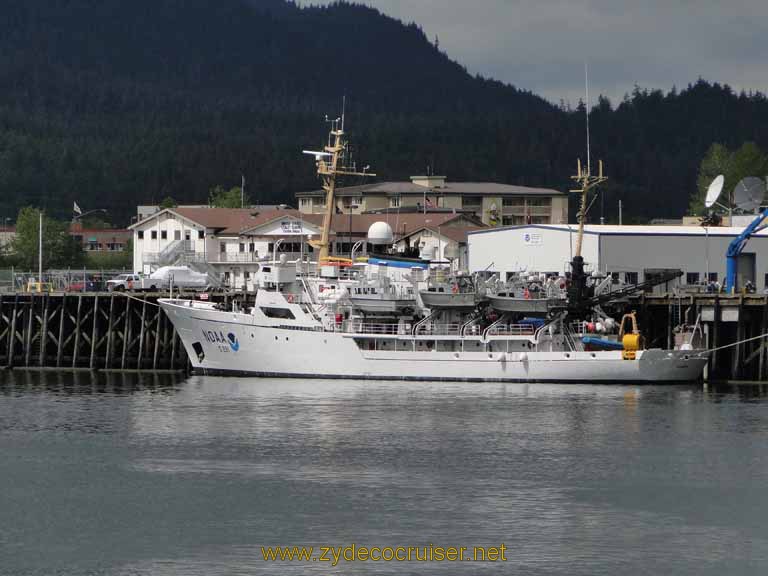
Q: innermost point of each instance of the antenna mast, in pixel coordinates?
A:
(331, 163)
(586, 109)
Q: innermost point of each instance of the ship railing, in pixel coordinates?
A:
(355, 327)
(511, 330)
(579, 327)
(431, 329)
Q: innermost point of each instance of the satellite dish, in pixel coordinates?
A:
(749, 193)
(714, 190)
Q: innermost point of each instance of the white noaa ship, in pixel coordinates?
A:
(290, 331)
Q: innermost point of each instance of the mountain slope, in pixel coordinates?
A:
(115, 103)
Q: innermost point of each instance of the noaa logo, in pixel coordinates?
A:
(223, 343)
(233, 342)
(526, 237)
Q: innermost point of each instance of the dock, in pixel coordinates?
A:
(94, 331)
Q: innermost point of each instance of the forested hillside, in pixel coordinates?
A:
(113, 103)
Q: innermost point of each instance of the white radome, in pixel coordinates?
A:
(380, 233)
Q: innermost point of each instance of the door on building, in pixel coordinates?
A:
(745, 270)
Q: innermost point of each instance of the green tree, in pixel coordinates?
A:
(221, 198)
(747, 160)
(168, 202)
(60, 249)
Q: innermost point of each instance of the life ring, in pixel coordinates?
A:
(527, 294)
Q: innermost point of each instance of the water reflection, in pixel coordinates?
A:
(141, 474)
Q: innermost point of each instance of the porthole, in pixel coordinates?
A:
(593, 355)
(567, 355)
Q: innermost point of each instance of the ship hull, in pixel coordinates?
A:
(228, 343)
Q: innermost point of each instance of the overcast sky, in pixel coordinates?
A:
(542, 45)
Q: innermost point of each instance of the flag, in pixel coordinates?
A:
(76, 209)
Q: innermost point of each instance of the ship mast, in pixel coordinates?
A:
(587, 182)
(577, 292)
(330, 165)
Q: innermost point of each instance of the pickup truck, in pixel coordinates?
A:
(124, 282)
(161, 279)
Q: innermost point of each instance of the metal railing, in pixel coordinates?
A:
(357, 327)
(511, 330)
(234, 257)
(430, 329)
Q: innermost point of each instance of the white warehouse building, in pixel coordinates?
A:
(628, 252)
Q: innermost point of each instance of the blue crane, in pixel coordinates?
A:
(737, 246)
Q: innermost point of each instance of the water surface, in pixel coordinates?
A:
(149, 475)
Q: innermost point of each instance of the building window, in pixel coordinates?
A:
(514, 201)
(177, 234)
(351, 201)
(141, 234)
(512, 220)
(540, 202)
(247, 275)
(713, 276)
(222, 247)
(164, 234)
(630, 277)
(154, 234)
(242, 247)
(201, 234)
(320, 202)
(692, 278)
(394, 202)
(305, 202)
(614, 277)
(471, 202)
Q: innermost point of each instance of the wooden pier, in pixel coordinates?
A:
(726, 320)
(95, 331)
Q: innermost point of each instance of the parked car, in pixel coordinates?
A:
(84, 286)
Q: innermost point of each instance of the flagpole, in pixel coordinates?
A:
(242, 192)
(40, 255)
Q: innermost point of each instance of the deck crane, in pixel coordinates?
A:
(747, 195)
(736, 247)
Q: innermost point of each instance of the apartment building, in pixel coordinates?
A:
(492, 203)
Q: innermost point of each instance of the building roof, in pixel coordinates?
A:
(463, 188)
(633, 230)
(358, 224)
(234, 221)
(223, 220)
(455, 233)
